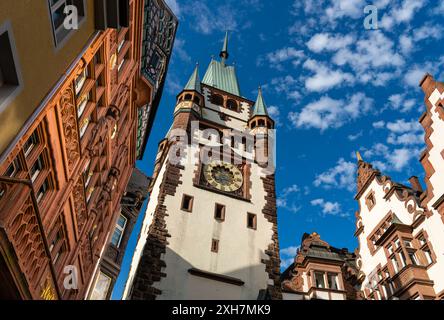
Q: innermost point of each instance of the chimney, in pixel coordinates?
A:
(416, 185)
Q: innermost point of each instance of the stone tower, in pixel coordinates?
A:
(210, 229)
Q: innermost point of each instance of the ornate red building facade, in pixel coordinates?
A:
(64, 175)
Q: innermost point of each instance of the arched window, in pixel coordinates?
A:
(232, 105)
(188, 97)
(217, 99)
(196, 100)
(253, 125)
(261, 123)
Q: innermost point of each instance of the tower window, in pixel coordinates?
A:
(232, 105)
(196, 100)
(261, 123)
(252, 221)
(215, 245)
(217, 99)
(188, 97)
(219, 212)
(187, 203)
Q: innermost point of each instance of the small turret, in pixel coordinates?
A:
(191, 96)
(260, 118)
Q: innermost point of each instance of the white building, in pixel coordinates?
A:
(401, 228)
(210, 229)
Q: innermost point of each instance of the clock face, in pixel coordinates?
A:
(223, 176)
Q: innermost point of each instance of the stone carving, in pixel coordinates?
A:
(80, 204)
(296, 283)
(102, 130)
(70, 130)
(28, 242)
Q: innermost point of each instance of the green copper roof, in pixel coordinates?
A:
(260, 108)
(194, 82)
(222, 77)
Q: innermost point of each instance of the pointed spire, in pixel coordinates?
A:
(260, 108)
(358, 156)
(194, 82)
(224, 53)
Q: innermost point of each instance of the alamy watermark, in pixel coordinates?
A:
(231, 146)
(371, 21)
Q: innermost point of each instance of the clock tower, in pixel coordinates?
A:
(210, 228)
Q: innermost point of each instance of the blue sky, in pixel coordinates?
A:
(333, 87)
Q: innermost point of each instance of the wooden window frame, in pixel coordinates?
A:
(121, 229)
(214, 245)
(370, 200)
(254, 226)
(191, 203)
(223, 211)
(59, 38)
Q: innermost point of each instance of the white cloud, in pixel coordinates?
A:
(274, 113)
(207, 21)
(406, 139)
(379, 124)
(282, 200)
(406, 44)
(324, 78)
(327, 42)
(174, 6)
(287, 85)
(400, 158)
(387, 159)
(287, 256)
(179, 45)
(416, 72)
(356, 136)
(402, 126)
(328, 208)
(400, 103)
(414, 76)
(371, 58)
(330, 113)
(345, 8)
(289, 251)
(280, 56)
(406, 133)
(403, 13)
(341, 176)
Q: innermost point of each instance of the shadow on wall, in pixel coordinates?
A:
(180, 280)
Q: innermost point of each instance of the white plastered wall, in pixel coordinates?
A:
(434, 226)
(240, 249)
(149, 213)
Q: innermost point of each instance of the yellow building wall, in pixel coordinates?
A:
(41, 63)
